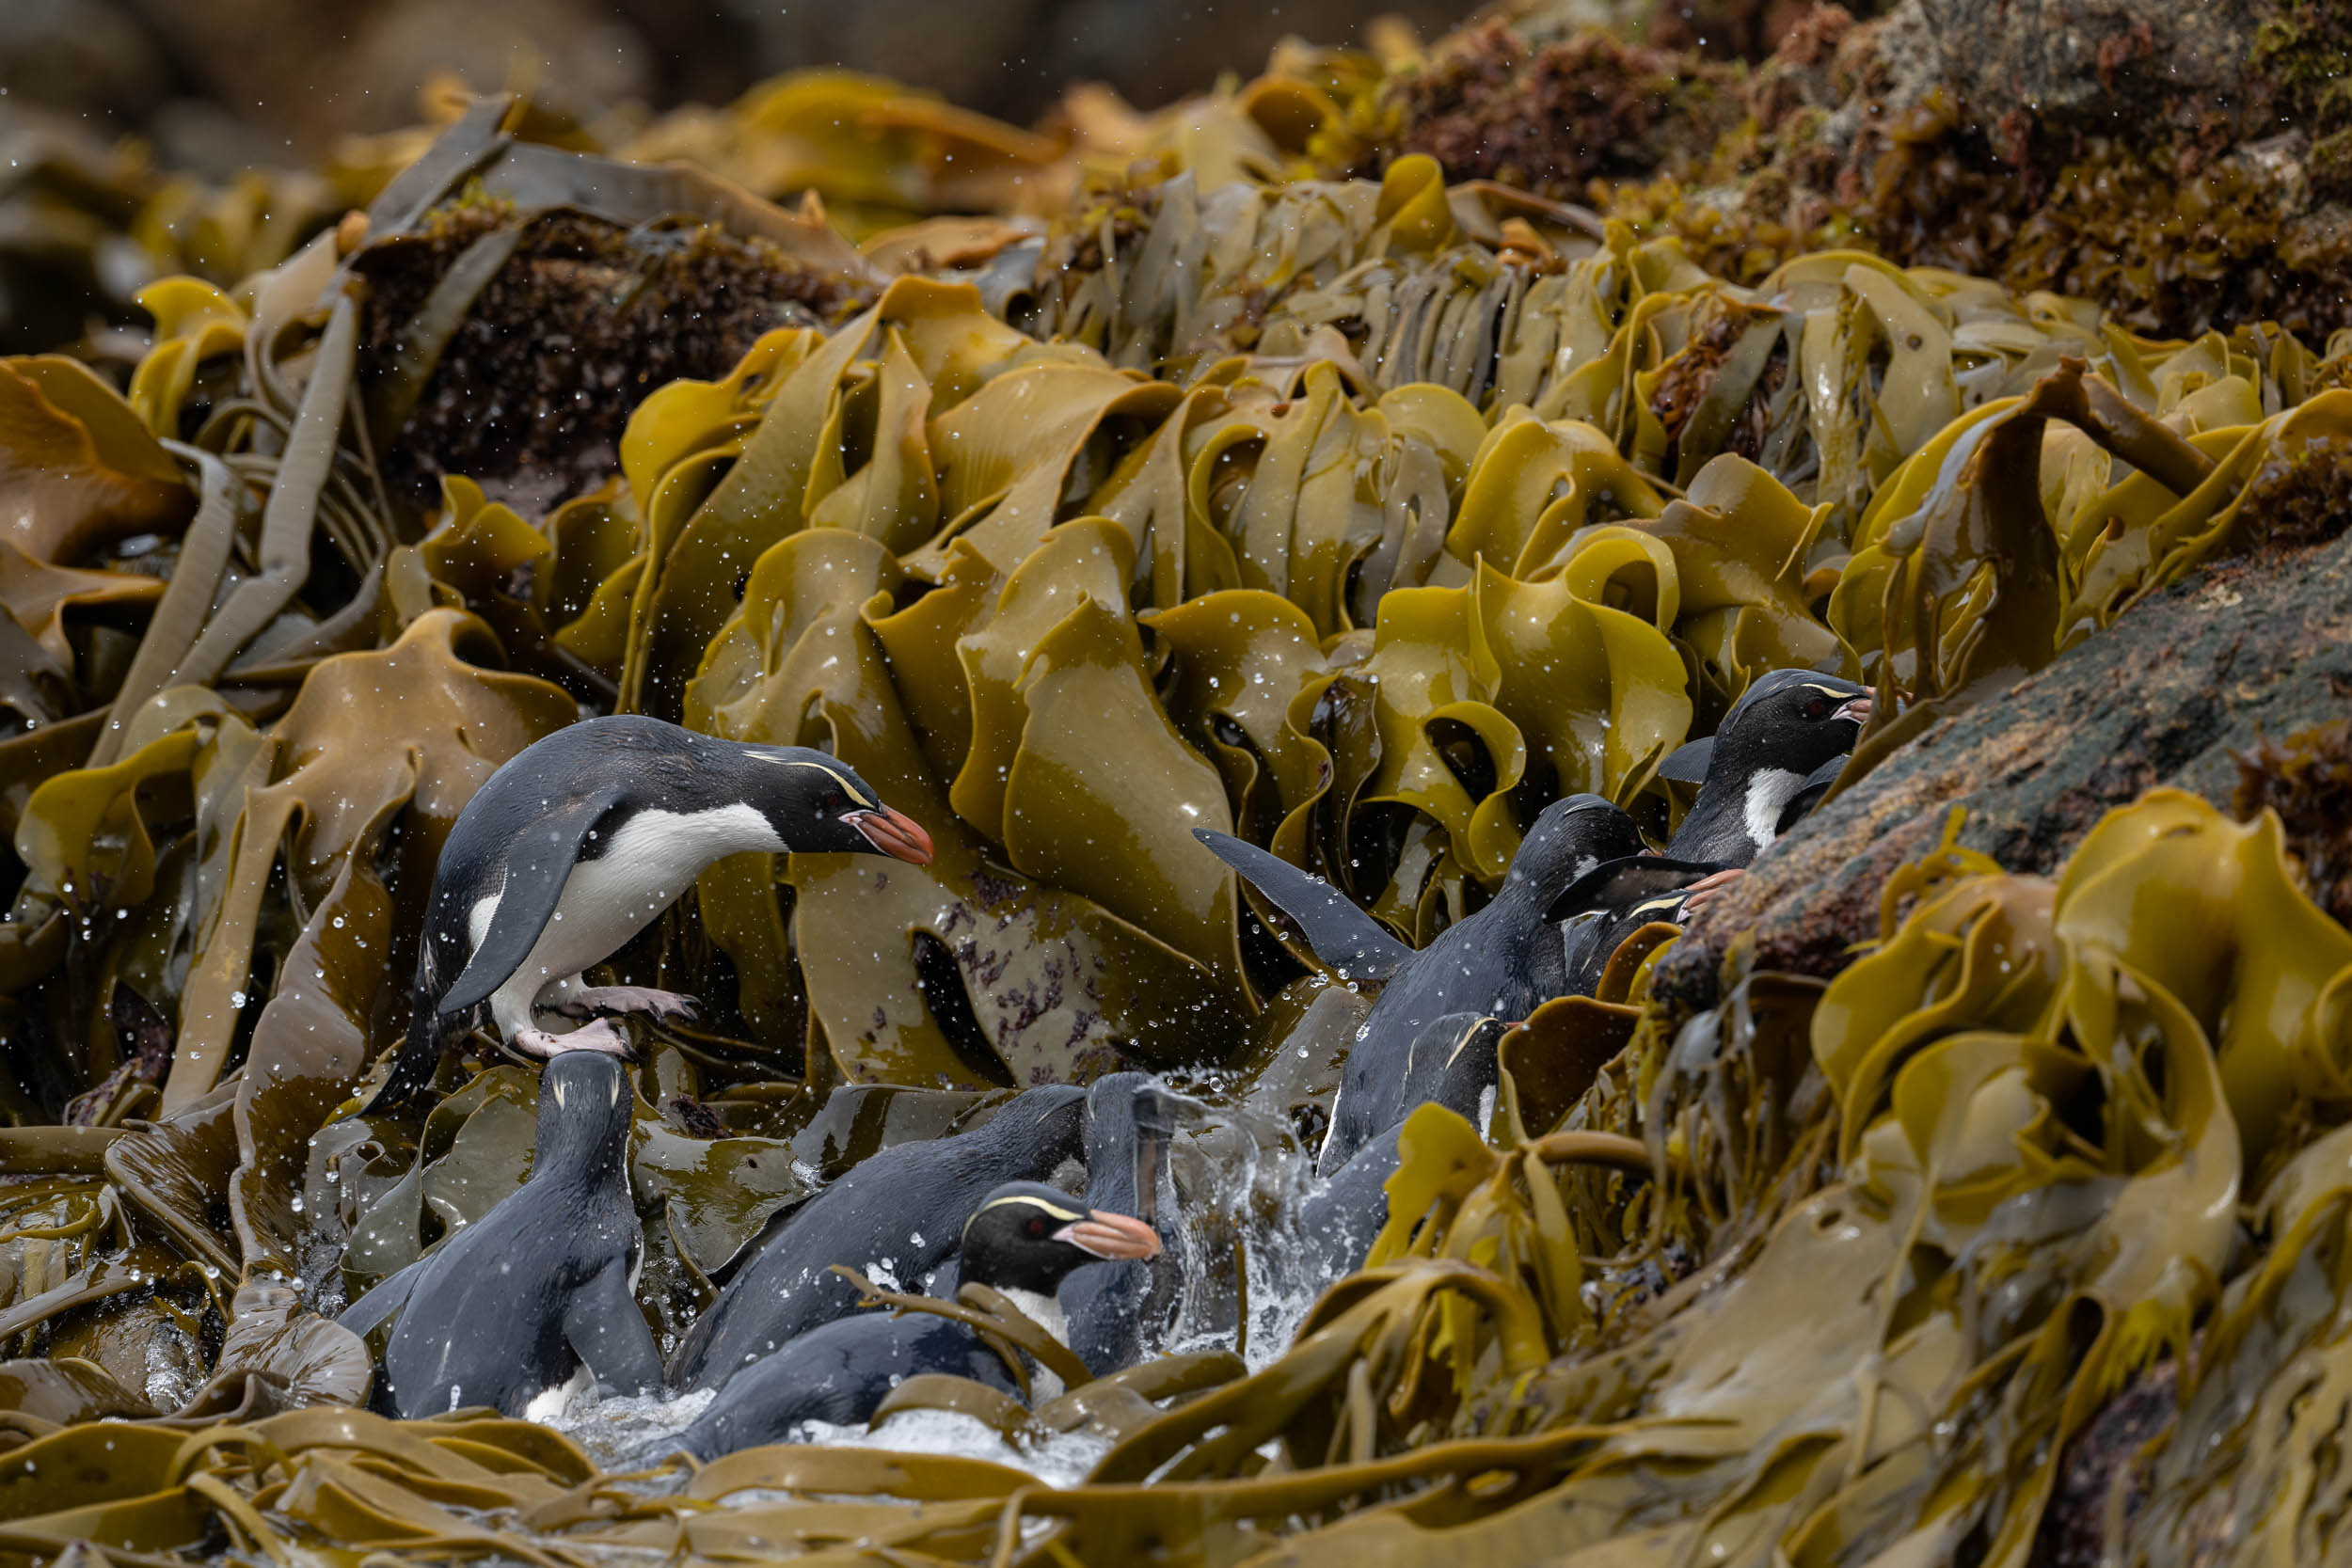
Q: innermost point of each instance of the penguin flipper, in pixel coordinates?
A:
(603, 1326)
(537, 867)
(1687, 763)
(387, 1296)
(1341, 935)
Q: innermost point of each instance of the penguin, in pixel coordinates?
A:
(576, 844)
(1503, 961)
(539, 1289)
(1119, 1307)
(895, 1215)
(1023, 1239)
(1343, 1213)
(1779, 741)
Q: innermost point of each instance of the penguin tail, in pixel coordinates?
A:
(430, 1033)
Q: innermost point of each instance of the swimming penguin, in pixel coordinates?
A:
(1771, 747)
(1505, 961)
(1119, 1307)
(539, 1288)
(1023, 1239)
(578, 843)
(897, 1215)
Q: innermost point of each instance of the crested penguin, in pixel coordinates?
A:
(1503, 962)
(1119, 1308)
(576, 844)
(1024, 1240)
(1774, 745)
(896, 1215)
(539, 1289)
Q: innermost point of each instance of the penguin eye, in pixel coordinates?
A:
(829, 802)
(1817, 707)
(1035, 1227)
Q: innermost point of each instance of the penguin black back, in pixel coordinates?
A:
(1023, 1239)
(1117, 1308)
(516, 1303)
(1785, 727)
(903, 1209)
(1503, 961)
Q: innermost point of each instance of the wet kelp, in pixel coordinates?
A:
(1358, 518)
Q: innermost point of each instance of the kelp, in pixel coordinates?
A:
(1176, 488)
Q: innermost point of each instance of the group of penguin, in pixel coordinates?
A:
(580, 840)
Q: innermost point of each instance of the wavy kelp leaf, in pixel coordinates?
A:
(1739, 541)
(193, 323)
(1010, 450)
(330, 782)
(1533, 485)
(1241, 658)
(39, 595)
(1034, 979)
(316, 1360)
(2171, 889)
(699, 548)
(1096, 749)
(77, 469)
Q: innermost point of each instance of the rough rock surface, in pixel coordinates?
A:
(2249, 648)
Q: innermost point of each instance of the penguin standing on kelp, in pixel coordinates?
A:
(1503, 962)
(576, 844)
(541, 1287)
(1024, 1240)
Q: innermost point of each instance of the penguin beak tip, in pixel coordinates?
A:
(893, 832)
(1106, 1234)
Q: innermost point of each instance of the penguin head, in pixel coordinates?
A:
(1571, 837)
(1027, 1236)
(585, 1104)
(818, 804)
(1789, 721)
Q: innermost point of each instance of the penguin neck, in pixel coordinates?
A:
(1735, 816)
(1042, 1309)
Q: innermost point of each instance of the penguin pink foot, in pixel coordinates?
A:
(590, 1001)
(604, 1035)
(1703, 892)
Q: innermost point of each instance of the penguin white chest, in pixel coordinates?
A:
(648, 862)
(1770, 790)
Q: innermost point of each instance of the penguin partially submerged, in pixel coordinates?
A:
(1787, 734)
(897, 1212)
(1023, 1239)
(540, 1288)
(1503, 962)
(1119, 1307)
(577, 844)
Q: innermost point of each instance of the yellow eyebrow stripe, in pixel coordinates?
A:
(856, 795)
(1022, 1198)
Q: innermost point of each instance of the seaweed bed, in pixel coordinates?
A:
(1298, 461)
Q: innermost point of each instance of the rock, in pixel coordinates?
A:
(2253, 647)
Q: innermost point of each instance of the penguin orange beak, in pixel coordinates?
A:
(893, 832)
(1111, 1235)
(1855, 708)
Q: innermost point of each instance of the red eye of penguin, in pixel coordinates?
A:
(1035, 1227)
(1817, 708)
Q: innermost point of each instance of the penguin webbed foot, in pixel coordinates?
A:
(609, 1001)
(604, 1035)
(1703, 892)
(614, 1000)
